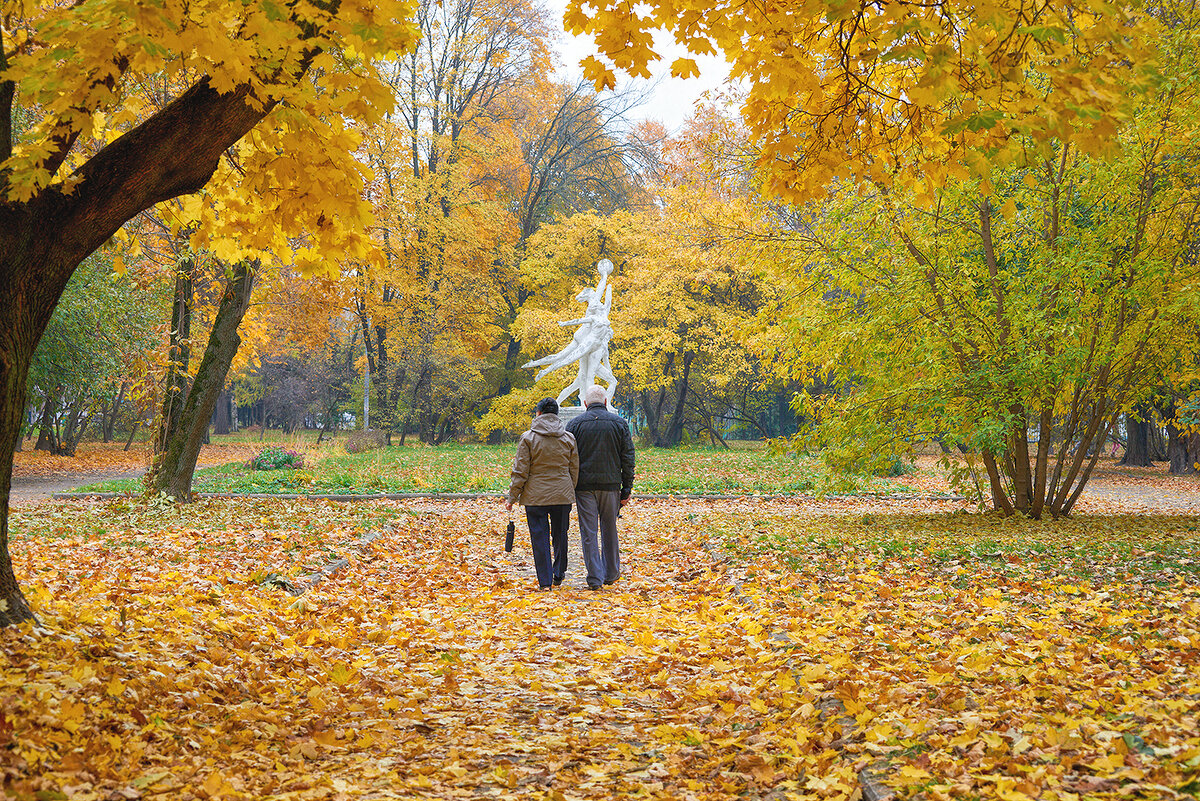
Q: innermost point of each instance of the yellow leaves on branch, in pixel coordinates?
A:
(293, 193)
(84, 69)
(901, 91)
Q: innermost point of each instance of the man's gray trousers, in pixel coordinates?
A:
(597, 509)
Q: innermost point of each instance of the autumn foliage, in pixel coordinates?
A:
(750, 648)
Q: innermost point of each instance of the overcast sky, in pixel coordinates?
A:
(672, 100)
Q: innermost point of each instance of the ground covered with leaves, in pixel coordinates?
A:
(752, 649)
(112, 457)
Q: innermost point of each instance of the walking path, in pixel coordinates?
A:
(31, 488)
(662, 685)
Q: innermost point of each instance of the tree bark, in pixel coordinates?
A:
(178, 357)
(221, 421)
(177, 463)
(15, 357)
(133, 429)
(47, 439)
(675, 431)
(1020, 474)
(1158, 444)
(108, 420)
(1000, 499)
(1183, 451)
(1137, 439)
(75, 425)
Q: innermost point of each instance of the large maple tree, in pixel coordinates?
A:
(81, 153)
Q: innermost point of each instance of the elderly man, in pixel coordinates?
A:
(605, 482)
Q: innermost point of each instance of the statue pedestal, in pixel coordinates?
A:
(569, 413)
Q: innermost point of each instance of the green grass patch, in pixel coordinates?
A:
(1097, 550)
(485, 469)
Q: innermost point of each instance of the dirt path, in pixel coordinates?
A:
(31, 489)
(577, 694)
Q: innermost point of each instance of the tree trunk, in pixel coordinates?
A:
(1183, 451)
(44, 239)
(177, 463)
(1137, 439)
(16, 353)
(74, 426)
(108, 419)
(1022, 478)
(132, 433)
(221, 423)
(178, 357)
(1000, 499)
(675, 431)
(1158, 443)
(47, 438)
(384, 413)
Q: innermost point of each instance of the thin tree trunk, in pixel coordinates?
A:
(173, 473)
(1000, 500)
(108, 420)
(132, 432)
(178, 358)
(675, 432)
(75, 426)
(1042, 469)
(47, 440)
(1022, 481)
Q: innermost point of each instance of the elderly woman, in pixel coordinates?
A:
(543, 479)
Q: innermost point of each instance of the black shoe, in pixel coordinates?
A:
(557, 582)
(614, 581)
(594, 586)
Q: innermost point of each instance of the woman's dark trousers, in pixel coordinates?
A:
(548, 527)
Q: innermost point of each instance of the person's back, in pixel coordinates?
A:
(544, 474)
(606, 468)
(606, 457)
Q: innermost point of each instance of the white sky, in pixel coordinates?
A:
(671, 100)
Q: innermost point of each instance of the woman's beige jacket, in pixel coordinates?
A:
(547, 464)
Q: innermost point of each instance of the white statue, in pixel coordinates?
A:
(590, 344)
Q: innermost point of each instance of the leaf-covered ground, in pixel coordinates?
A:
(102, 457)
(973, 658)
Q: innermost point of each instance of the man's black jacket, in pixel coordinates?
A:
(605, 450)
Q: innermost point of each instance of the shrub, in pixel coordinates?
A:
(363, 441)
(894, 469)
(276, 458)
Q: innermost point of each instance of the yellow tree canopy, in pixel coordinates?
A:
(90, 83)
(876, 90)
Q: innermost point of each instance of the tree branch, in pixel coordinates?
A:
(8, 91)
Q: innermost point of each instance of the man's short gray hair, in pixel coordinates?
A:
(595, 394)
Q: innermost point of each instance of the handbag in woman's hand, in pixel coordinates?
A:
(508, 536)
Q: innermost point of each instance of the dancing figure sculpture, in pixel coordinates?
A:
(589, 346)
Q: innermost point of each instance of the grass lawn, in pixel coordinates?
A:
(476, 468)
